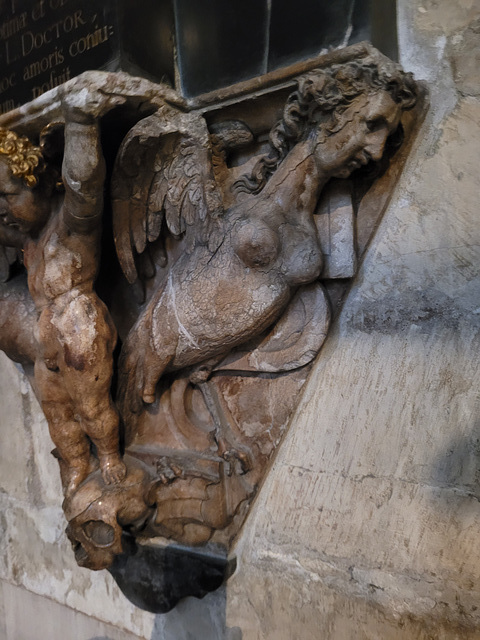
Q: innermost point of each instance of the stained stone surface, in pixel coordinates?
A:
(3, 623)
(367, 526)
(376, 535)
(26, 615)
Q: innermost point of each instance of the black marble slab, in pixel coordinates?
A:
(301, 29)
(44, 43)
(220, 42)
(157, 578)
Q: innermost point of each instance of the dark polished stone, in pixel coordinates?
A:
(220, 42)
(301, 29)
(383, 20)
(44, 43)
(156, 578)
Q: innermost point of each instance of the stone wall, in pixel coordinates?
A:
(367, 526)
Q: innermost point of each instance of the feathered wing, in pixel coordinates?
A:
(163, 180)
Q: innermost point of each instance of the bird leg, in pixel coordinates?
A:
(238, 456)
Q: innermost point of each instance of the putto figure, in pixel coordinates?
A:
(59, 233)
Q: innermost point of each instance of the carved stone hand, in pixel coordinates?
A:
(85, 100)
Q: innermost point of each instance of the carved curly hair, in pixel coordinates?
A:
(25, 160)
(326, 93)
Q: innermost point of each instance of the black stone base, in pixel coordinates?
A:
(157, 578)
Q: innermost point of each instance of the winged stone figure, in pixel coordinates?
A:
(217, 232)
(246, 245)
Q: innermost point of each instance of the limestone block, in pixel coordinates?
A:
(465, 57)
(3, 627)
(367, 526)
(444, 17)
(30, 617)
(26, 469)
(36, 556)
(271, 600)
(13, 461)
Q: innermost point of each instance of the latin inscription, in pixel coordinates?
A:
(45, 43)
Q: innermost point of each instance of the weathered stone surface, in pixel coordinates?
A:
(440, 17)
(287, 600)
(25, 460)
(368, 526)
(3, 624)
(465, 58)
(376, 535)
(26, 616)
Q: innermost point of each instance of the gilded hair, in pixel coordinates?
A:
(24, 158)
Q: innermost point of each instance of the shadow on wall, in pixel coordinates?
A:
(192, 619)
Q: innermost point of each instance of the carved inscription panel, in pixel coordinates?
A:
(44, 43)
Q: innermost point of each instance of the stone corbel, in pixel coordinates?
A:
(184, 260)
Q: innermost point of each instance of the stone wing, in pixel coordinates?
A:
(163, 182)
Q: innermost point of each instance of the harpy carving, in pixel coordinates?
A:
(223, 243)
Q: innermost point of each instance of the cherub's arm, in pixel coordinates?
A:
(85, 100)
(83, 172)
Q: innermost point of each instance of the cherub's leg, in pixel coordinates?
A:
(100, 421)
(87, 375)
(66, 432)
(72, 444)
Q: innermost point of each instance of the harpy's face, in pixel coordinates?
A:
(368, 122)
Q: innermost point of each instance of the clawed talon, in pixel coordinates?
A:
(200, 375)
(148, 398)
(236, 456)
(168, 471)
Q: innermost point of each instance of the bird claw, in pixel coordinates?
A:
(200, 375)
(167, 471)
(239, 459)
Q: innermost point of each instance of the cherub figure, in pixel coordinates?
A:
(60, 236)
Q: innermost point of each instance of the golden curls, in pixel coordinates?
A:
(24, 158)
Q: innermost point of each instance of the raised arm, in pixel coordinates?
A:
(84, 101)
(83, 171)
